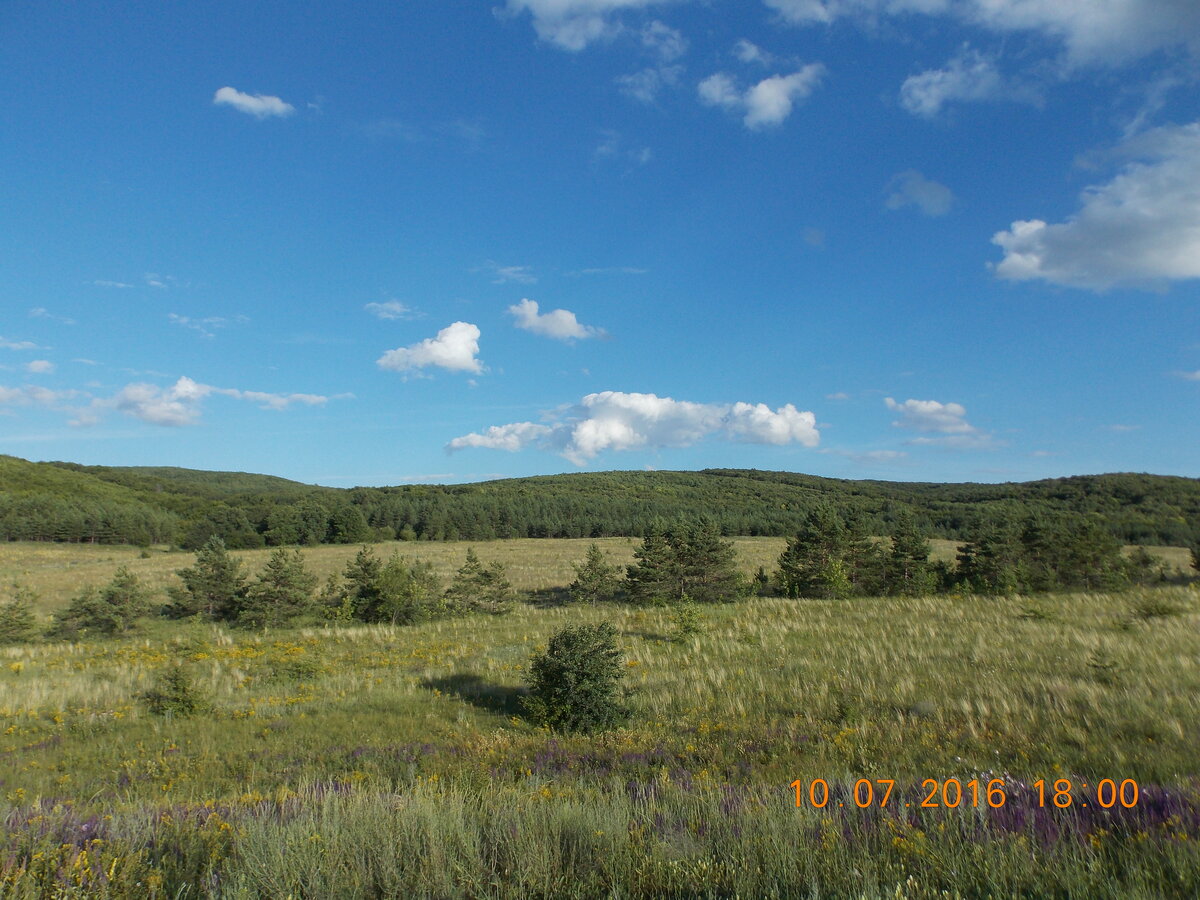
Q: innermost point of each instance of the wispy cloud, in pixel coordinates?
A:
(911, 188)
(100, 282)
(206, 327)
(180, 403)
(6, 344)
(508, 274)
(575, 24)
(40, 367)
(560, 324)
(615, 420)
(455, 349)
(261, 106)
(390, 310)
(40, 312)
(609, 270)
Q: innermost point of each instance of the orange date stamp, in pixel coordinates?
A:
(951, 793)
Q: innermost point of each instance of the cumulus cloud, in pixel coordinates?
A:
(946, 421)
(1140, 229)
(39, 367)
(970, 76)
(179, 404)
(766, 103)
(390, 310)
(615, 420)
(455, 349)
(560, 324)
(911, 188)
(261, 106)
(574, 24)
(1105, 33)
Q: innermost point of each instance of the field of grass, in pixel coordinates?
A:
(378, 761)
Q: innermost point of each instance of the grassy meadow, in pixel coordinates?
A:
(374, 761)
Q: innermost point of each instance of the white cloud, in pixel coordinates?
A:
(503, 437)
(613, 147)
(505, 274)
(111, 284)
(179, 404)
(1189, 376)
(17, 345)
(1142, 228)
(946, 420)
(455, 349)
(615, 420)
(390, 310)
(207, 326)
(749, 52)
(766, 103)
(970, 76)
(646, 85)
(32, 395)
(667, 43)
(574, 24)
(261, 106)
(911, 188)
(559, 323)
(1092, 32)
(39, 367)
(40, 312)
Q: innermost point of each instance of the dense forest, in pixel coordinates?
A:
(185, 507)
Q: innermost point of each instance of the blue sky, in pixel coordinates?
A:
(380, 243)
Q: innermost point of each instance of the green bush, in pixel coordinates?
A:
(175, 694)
(17, 622)
(112, 610)
(575, 684)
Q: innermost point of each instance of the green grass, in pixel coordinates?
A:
(380, 761)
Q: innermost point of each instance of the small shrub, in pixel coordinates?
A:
(17, 622)
(111, 610)
(1147, 606)
(175, 694)
(575, 684)
(687, 621)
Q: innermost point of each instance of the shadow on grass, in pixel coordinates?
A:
(545, 598)
(648, 635)
(471, 688)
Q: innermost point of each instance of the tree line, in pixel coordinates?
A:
(66, 502)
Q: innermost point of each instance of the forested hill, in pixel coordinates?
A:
(69, 502)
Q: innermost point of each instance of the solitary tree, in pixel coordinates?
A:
(17, 622)
(595, 578)
(575, 684)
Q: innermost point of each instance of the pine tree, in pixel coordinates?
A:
(595, 578)
(17, 622)
(993, 562)
(706, 565)
(408, 592)
(111, 610)
(814, 563)
(654, 579)
(908, 570)
(575, 684)
(282, 592)
(476, 588)
(362, 583)
(215, 587)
